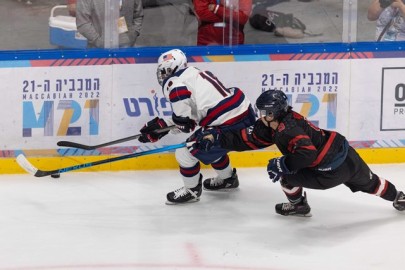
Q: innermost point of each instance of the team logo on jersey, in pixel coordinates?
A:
(281, 127)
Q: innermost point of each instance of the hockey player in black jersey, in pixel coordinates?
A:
(311, 157)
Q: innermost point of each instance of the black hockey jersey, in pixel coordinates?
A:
(303, 144)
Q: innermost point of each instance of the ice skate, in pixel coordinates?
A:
(399, 202)
(217, 183)
(185, 195)
(301, 209)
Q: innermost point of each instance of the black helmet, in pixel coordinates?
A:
(272, 102)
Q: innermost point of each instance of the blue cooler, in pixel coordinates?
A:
(63, 31)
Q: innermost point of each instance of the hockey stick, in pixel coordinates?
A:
(92, 147)
(27, 166)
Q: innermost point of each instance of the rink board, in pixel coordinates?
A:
(93, 99)
(167, 161)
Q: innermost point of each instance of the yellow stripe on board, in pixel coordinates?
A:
(221, 58)
(167, 161)
(66, 120)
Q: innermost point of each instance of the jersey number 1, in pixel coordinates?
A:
(215, 82)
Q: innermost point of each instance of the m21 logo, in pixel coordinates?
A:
(317, 108)
(151, 106)
(42, 117)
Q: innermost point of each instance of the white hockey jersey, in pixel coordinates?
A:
(200, 96)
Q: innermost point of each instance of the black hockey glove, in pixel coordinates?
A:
(277, 168)
(148, 132)
(184, 124)
(208, 138)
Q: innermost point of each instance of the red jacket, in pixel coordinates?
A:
(214, 28)
(72, 7)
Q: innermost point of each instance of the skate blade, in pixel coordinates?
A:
(187, 202)
(305, 215)
(222, 189)
(399, 208)
(297, 215)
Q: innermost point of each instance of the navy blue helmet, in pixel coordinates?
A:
(273, 103)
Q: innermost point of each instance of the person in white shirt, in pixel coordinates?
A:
(389, 15)
(198, 98)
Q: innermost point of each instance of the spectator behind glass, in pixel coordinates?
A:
(390, 21)
(72, 7)
(213, 21)
(28, 2)
(90, 21)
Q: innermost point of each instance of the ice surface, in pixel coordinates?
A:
(110, 220)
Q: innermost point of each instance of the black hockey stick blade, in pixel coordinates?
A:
(31, 169)
(92, 147)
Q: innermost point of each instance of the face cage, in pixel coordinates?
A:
(162, 74)
(263, 113)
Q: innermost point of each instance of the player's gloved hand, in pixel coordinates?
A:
(207, 139)
(184, 124)
(277, 168)
(148, 132)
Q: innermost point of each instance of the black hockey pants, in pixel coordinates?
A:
(353, 172)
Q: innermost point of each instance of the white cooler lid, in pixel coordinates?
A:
(63, 22)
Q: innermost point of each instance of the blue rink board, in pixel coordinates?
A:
(378, 49)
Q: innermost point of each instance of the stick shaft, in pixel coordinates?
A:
(92, 147)
(26, 165)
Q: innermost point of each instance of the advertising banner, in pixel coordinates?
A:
(377, 102)
(317, 89)
(43, 105)
(92, 104)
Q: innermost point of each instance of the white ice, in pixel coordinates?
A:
(119, 220)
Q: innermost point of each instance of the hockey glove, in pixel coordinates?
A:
(277, 168)
(208, 138)
(148, 132)
(184, 124)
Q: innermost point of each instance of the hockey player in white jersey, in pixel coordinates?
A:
(198, 98)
